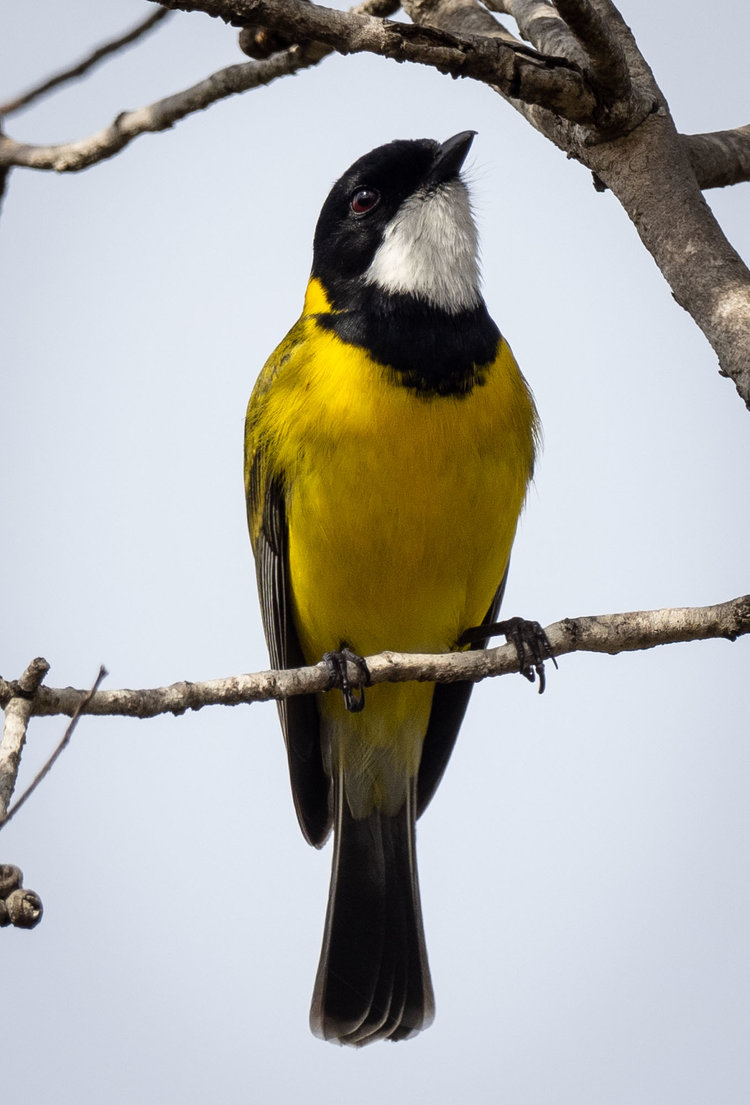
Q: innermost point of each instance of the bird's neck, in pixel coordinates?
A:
(432, 350)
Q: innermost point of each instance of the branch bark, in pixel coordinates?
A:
(626, 137)
(18, 710)
(647, 165)
(721, 157)
(6, 814)
(541, 25)
(492, 60)
(72, 157)
(609, 633)
(718, 159)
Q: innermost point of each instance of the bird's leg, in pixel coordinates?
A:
(353, 692)
(529, 640)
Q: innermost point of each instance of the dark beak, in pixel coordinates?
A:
(450, 157)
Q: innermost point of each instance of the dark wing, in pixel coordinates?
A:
(449, 702)
(270, 537)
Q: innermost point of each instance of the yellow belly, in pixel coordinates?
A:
(402, 510)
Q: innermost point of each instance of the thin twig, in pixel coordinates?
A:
(87, 63)
(61, 746)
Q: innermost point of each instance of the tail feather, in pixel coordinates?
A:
(373, 981)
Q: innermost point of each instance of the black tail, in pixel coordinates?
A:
(373, 981)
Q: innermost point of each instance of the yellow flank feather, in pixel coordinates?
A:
(401, 511)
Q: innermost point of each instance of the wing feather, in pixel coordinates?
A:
(449, 702)
(269, 534)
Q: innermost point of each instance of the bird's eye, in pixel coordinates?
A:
(363, 200)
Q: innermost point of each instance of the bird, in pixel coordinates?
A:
(389, 443)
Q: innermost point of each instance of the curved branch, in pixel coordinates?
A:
(609, 633)
(718, 159)
(639, 156)
(87, 63)
(458, 16)
(494, 60)
(648, 168)
(541, 25)
(650, 173)
(609, 65)
(71, 157)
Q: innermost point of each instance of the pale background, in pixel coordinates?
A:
(585, 863)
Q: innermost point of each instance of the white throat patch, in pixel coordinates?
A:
(430, 250)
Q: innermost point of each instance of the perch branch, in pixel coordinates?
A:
(610, 633)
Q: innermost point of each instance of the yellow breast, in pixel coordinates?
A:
(401, 509)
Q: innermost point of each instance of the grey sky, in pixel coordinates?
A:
(584, 864)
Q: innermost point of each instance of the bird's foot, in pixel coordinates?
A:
(353, 692)
(529, 640)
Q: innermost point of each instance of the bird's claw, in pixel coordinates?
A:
(353, 692)
(529, 640)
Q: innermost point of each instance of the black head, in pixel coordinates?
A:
(365, 201)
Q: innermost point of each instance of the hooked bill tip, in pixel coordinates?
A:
(450, 156)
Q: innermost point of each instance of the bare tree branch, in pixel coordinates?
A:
(87, 63)
(72, 157)
(608, 633)
(646, 165)
(611, 116)
(609, 65)
(651, 175)
(541, 25)
(458, 16)
(49, 764)
(494, 61)
(721, 157)
(718, 159)
(17, 713)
